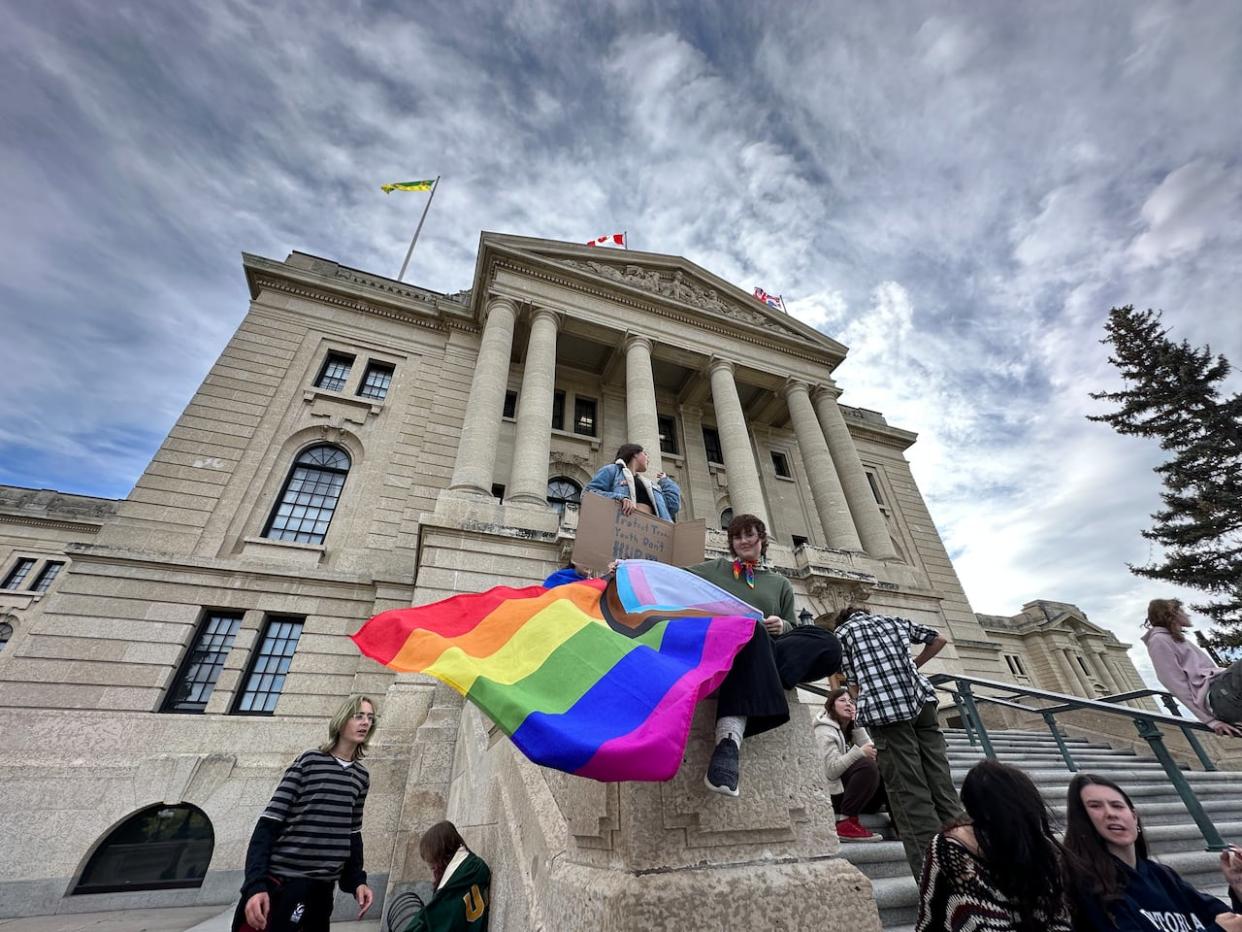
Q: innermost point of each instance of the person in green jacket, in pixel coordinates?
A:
(462, 881)
(782, 653)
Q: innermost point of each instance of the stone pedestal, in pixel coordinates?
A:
(569, 853)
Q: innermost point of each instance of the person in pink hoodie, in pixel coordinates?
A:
(1213, 694)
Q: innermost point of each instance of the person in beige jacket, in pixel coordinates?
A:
(849, 766)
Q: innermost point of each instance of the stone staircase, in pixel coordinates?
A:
(1172, 835)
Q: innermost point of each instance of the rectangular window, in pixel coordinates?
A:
(19, 572)
(47, 576)
(335, 372)
(375, 381)
(266, 677)
(667, 426)
(498, 491)
(799, 541)
(584, 416)
(558, 410)
(780, 462)
(711, 440)
(510, 410)
(202, 665)
(875, 487)
(1082, 663)
(1015, 664)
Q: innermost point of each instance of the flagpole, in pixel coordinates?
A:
(418, 229)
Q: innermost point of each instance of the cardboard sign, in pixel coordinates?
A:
(605, 534)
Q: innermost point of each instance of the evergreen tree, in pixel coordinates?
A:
(1172, 393)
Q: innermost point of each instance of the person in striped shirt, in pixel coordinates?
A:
(309, 838)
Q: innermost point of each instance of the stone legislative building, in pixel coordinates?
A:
(363, 444)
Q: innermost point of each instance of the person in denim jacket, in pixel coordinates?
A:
(624, 481)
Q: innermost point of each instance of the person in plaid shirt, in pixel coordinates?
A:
(897, 705)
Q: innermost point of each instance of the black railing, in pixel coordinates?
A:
(1147, 722)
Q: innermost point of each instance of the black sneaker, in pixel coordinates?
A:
(723, 769)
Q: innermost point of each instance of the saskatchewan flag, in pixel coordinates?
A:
(408, 186)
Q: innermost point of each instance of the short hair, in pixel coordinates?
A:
(743, 523)
(1161, 613)
(627, 451)
(348, 709)
(438, 845)
(846, 614)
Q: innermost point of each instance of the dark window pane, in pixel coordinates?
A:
(781, 464)
(6, 633)
(799, 541)
(18, 574)
(510, 404)
(335, 372)
(726, 518)
(375, 381)
(558, 410)
(159, 848)
(47, 576)
(202, 665)
(711, 440)
(668, 434)
(309, 499)
(498, 491)
(266, 677)
(563, 491)
(584, 416)
(875, 487)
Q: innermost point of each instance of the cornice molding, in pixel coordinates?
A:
(86, 527)
(324, 296)
(699, 318)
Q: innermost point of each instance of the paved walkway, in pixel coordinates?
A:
(179, 919)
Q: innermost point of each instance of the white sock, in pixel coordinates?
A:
(731, 726)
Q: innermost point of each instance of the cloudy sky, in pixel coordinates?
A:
(958, 192)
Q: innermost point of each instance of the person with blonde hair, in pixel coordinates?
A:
(1213, 694)
(310, 835)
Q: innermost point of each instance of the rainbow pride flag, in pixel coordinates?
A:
(598, 680)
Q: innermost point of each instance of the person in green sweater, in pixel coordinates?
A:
(462, 881)
(782, 654)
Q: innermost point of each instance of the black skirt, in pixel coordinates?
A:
(766, 667)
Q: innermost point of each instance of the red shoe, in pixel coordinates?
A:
(851, 829)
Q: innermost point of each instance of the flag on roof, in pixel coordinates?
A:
(611, 239)
(596, 679)
(771, 300)
(408, 186)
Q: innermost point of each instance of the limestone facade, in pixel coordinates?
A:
(362, 444)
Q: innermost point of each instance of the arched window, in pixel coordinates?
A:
(563, 491)
(159, 848)
(726, 518)
(310, 495)
(6, 633)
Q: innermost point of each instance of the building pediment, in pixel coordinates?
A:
(652, 278)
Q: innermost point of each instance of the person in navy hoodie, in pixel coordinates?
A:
(1115, 886)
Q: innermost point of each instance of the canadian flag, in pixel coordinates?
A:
(611, 239)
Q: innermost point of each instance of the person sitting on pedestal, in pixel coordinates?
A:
(462, 880)
(624, 481)
(782, 654)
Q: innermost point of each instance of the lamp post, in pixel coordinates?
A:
(805, 617)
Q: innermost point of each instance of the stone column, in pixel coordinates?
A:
(528, 480)
(641, 425)
(480, 430)
(826, 490)
(1106, 673)
(745, 489)
(868, 519)
(1079, 677)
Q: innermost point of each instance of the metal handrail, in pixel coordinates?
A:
(1147, 723)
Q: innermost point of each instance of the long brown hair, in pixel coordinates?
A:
(1095, 872)
(830, 706)
(437, 847)
(1164, 613)
(1013, 827)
